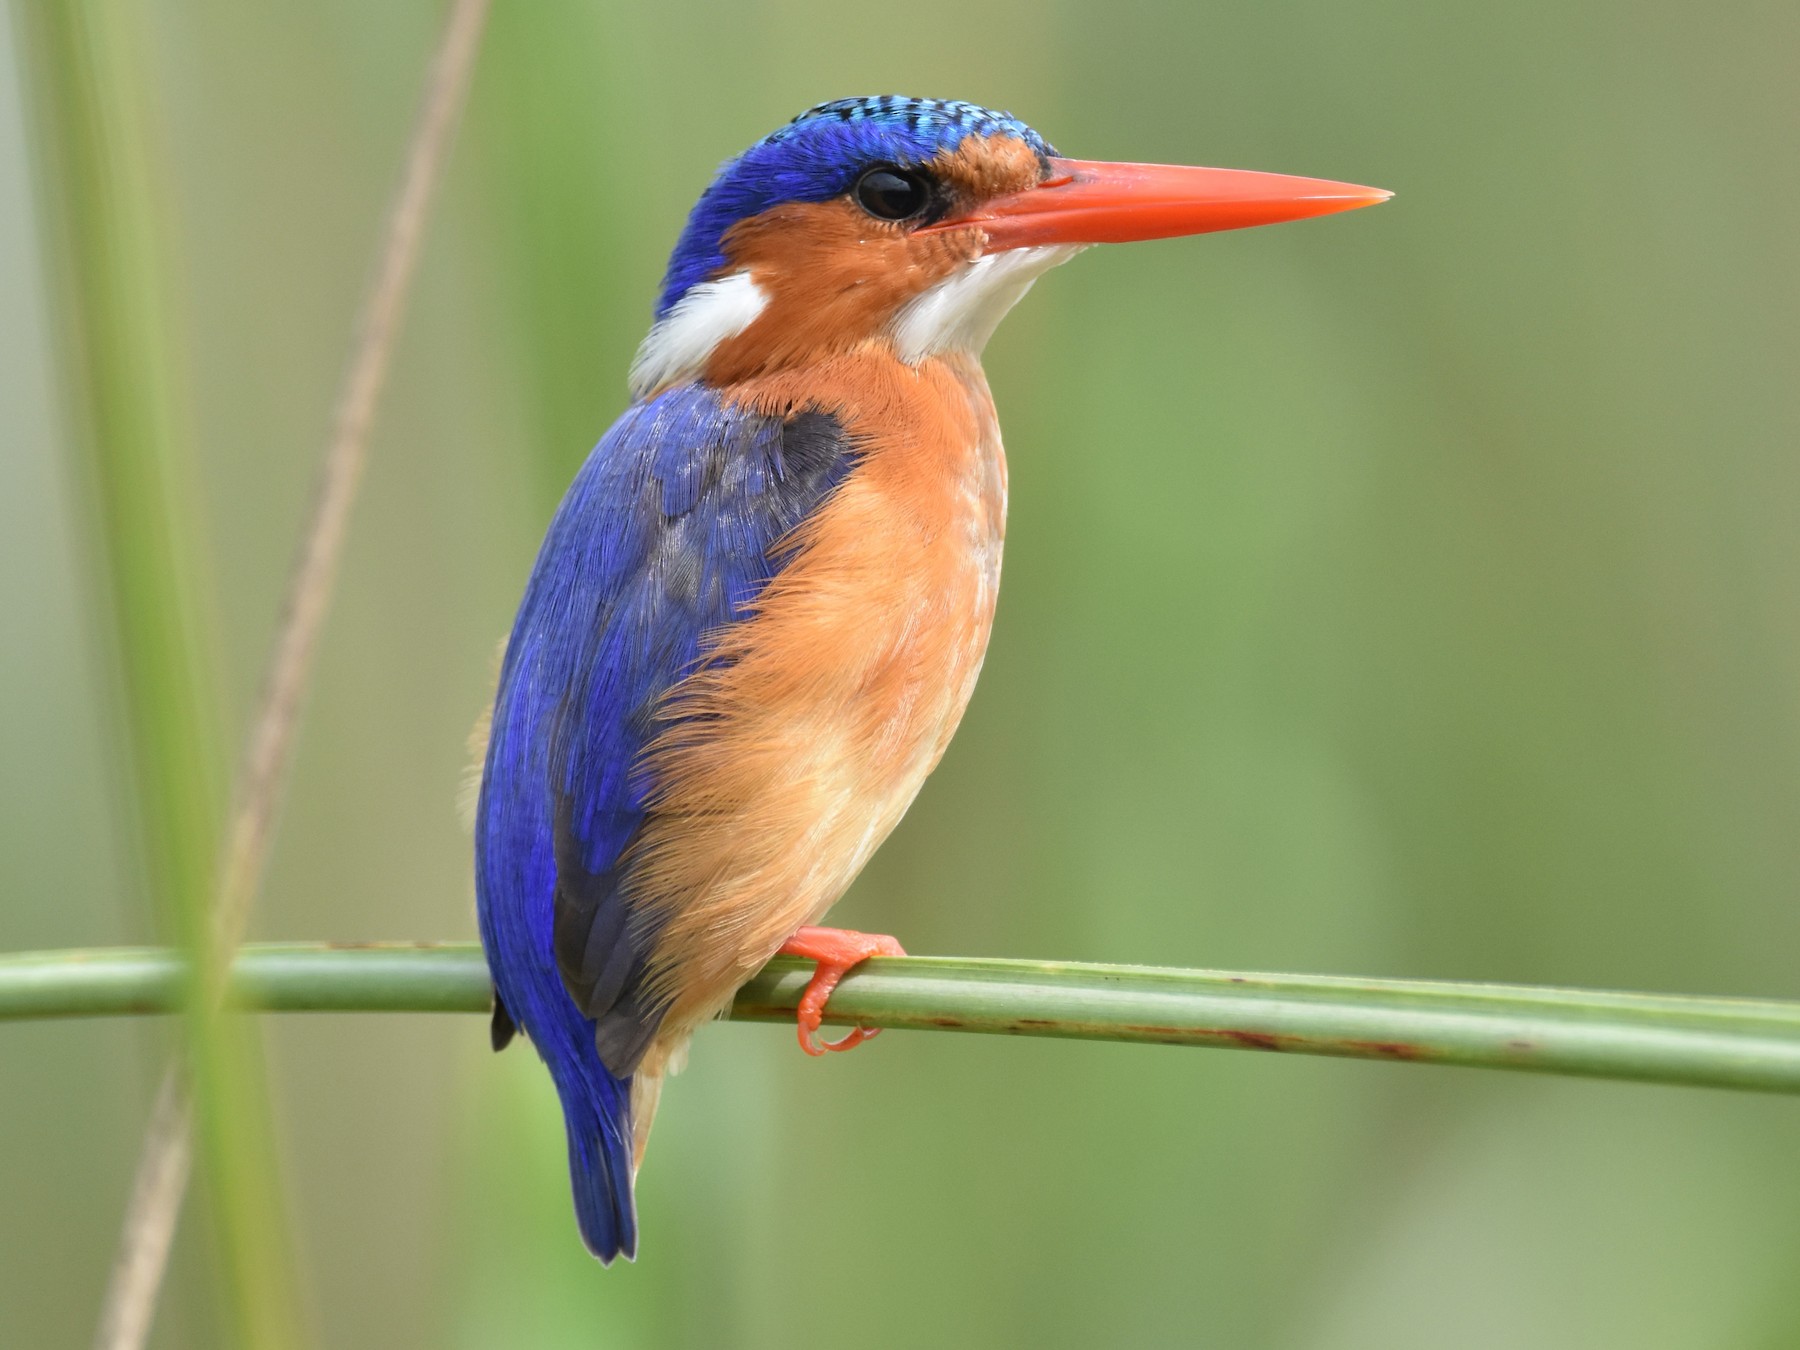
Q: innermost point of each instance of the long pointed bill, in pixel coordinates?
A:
(1090, 202)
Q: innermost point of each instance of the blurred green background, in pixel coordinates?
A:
(1406, 593)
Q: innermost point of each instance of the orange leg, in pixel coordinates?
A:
(836, 950)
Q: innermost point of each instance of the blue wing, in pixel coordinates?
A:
(666, 534)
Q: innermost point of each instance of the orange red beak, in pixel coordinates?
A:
(1090, 202)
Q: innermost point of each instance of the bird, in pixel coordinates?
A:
(759, 612)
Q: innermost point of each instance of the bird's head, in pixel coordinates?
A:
(917, 223)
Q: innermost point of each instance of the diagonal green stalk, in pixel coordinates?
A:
(1655, 1038)
(95, 121)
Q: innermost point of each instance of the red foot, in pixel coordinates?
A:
(836, 950)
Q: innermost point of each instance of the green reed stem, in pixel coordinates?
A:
(1653, 1038)
(103, 180)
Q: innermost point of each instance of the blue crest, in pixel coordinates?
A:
(818, 156)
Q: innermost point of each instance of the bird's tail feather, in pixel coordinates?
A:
(598, 1114)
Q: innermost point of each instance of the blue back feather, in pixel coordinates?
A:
(820, 155)
(665, 534)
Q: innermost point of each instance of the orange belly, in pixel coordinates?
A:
(791, 755)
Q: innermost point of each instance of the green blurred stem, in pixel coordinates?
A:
(1704, 1042)
(107, 222)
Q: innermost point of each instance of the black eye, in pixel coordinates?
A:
(892, 194)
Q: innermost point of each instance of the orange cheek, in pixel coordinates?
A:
(834, 278)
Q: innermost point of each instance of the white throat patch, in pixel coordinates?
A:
(679, 344)
(961, 312)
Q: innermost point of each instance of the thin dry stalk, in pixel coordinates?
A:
(161, 1181)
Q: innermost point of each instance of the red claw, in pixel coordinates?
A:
(836, 950)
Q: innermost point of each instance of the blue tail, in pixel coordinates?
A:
(597, 1111)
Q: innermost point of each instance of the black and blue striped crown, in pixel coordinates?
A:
(941, 118)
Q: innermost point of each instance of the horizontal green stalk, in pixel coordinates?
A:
(1708, 1042)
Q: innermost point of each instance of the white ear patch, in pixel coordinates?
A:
(961, 312)
(678, 344)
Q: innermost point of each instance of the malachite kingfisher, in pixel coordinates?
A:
(760, 610)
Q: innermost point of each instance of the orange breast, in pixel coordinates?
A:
(802, 743)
